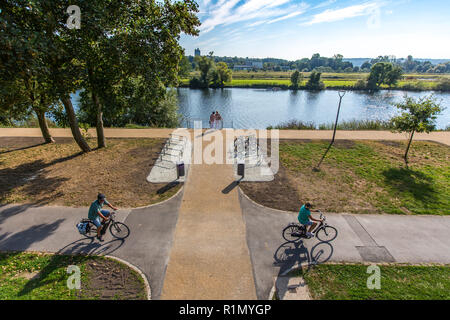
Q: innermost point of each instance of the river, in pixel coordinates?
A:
(261, 108)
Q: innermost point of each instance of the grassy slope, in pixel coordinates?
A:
(343, 282)
(371, 177)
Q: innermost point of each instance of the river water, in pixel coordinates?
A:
(260, 108)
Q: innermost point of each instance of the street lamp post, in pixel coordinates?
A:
(341, 95)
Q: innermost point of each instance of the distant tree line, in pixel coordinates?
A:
(323, 64)
(409, 65)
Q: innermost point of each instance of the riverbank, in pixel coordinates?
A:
(336, 81)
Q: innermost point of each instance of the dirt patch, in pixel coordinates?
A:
(344, 144)
(20, 143)
(109, 280)
(58, 174)
(281, 193)
(388, 143)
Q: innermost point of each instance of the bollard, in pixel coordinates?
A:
(241, 169)
(180, 169)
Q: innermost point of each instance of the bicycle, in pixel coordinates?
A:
(118, 230)
(323, 231)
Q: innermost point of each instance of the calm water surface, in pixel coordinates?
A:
(260, 108)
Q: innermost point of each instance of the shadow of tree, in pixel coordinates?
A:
(21, 241)
(24, 239)
(415, 183)
(22, 148)
(79, 251)
(56, 262)
(31, 175)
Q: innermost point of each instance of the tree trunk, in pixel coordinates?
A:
(74, 124)
(43, 125)
(101, 141)
(409, 145)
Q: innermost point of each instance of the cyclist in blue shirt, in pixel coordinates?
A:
(96, 212)
(304, 217)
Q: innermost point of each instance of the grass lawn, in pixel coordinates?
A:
(349, 282)
(58, 174)
(38, 276)
(360, 177)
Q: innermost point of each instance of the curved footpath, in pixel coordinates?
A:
(441, 137)
(362, 238)
(52, 229)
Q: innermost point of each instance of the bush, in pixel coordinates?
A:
(443, 85)
(360, 84)
(295, 125)
(414, 86)
(344, 125)
(196, 83)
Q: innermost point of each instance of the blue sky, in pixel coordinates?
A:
(293, 29)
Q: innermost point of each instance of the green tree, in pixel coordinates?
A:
(185, 67)
(418, 116)
(221, 74)
(393, 76)
(34, 49)
(111, 48)
(205, 65)
(296, 79)
(314, 82)
(383, 73)
(21, 66)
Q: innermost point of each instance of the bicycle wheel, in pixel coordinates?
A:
(91, 230)
(119, 230)
(327, 233)
(291, 233)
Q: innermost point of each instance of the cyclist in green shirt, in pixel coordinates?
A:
(304, 217)
(96, 213)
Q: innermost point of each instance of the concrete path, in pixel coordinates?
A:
(52, 229)
(361, 238)
(210, 258)
(441, 137)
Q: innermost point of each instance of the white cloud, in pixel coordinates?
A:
(226, 12)
(344, 13)
(291, 15)
(324, 4)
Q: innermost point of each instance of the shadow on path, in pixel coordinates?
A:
(231, 186)
(24, 239)
(292, 255)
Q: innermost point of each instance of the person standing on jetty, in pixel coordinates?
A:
(212, 120)
(218, 121)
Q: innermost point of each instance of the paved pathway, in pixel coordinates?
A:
(361, 238)
(52, 229)
(441, 137)
(210, 258)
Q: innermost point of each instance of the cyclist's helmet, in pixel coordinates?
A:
(101, 196)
